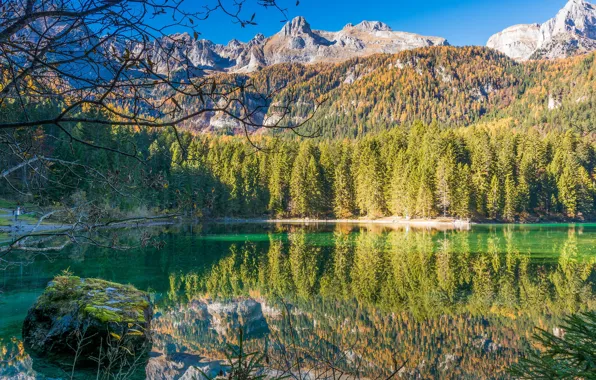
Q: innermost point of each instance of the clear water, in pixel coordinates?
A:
(448, 304)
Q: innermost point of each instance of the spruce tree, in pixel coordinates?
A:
(343, 187)
(493, 201)
(425, 199)
(370, 178)
(445, 181)
(510, 202)
(462, 197)
(399, 199)
(567, 188)
(306, 184)
(279, 182)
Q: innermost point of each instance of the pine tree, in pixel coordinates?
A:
(399, 199)
(306, 184)
(343, 186)
(250, 186)
(523, 196)
(425, 199)
(510, 204)
(445, 181)
(279, 183)
(462, 197)
(493, 201)
(232, 178)
(567, 188)
(370, 178)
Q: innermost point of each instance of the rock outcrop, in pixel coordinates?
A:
(518, 42)
(572, 31)
(183, 366)
(99, 311)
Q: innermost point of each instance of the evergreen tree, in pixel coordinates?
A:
(493, 201)
(306, 184)
(567, 187)
(343, 185)
(251, 190)
(462, 196)
(524, 200)
(399, 199)
(279, 182)
(510, 204)
(445, 181)
(370, 177)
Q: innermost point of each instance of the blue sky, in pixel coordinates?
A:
(462, 22)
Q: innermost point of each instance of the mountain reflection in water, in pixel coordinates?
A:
(457, 304)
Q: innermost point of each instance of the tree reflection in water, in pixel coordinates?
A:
(456, 304)
(427, 299)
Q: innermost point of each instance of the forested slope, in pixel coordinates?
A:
(453, 86)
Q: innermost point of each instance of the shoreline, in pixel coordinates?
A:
(391, 222)
(414, 223)
(438, 223)
(56, 227)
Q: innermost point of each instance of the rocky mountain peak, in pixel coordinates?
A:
(577, 17)
(181, 37)
(234, 43)
(518, 42)
(373, 26)
(296, 27)
(258, 38)
(572, 31)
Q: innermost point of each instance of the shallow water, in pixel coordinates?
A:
(449, 304)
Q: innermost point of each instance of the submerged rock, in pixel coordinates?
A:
(92, 314)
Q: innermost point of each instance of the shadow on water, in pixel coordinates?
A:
(453, 304)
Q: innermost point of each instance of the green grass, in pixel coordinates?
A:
(7, 204)
(6, 221)
(12, 204)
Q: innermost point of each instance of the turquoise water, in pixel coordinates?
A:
(449, 304)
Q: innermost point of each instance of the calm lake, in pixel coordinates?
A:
(448, 304)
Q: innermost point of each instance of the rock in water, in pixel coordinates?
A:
(102, 313)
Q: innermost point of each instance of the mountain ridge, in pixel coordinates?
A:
(571, 32)
(296, 42)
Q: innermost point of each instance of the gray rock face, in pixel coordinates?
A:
(297, 42)
(373, 26)
(296, 27)
(366, 38)
(227, 318)
(518, 42)
(183, 367)
(572, 31)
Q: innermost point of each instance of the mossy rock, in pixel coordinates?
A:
(102, 313)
